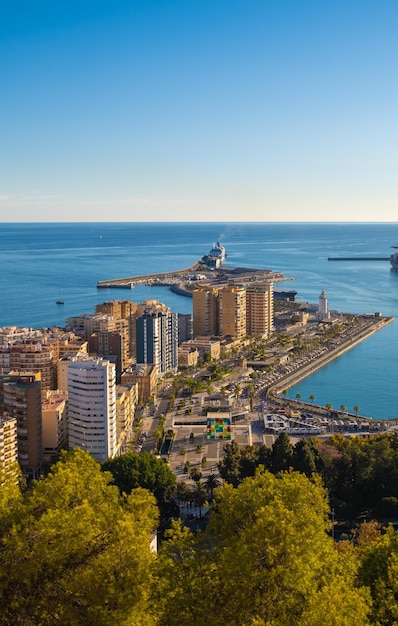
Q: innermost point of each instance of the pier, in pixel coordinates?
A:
(198, 275)
(358, 258)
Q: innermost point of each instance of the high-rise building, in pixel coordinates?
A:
(126, 400)
(260, 310)
(32, 356)
(8, 443)
(157, 336)
(20, 398)
(184, 327)
(92, 406)
(126, 310)
(205, 313)
(54, 423)
(109, 346)
(232, 311)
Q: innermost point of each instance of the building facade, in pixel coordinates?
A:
(205, 313)
(157, 337)
(92, 406)
(233, 311)
(260, 310)
(20, 398)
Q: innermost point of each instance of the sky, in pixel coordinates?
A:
(198, 110)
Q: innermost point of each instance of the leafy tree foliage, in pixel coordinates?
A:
(265, 558)
(73, 553)
(145, 470)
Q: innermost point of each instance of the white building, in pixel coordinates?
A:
(92, 406)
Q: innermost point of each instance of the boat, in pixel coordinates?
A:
(59, 302)
(215, 257)
(218, 252)
(394, 259)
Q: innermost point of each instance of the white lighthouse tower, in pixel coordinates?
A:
(323, 309)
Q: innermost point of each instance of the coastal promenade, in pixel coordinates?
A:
(306, 366)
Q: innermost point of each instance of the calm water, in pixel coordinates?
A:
(41, 263)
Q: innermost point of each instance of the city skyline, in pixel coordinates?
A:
(211, 111)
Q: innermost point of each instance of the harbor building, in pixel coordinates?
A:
(232, 311)
(157, 336)
(260, 310)
(20, 398)
(92, 406)
(205, 312)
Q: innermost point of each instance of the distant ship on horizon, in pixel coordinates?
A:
(394, 259)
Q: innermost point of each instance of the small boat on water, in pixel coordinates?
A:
(59, 302)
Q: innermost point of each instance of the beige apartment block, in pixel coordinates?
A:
(126, 401)
(145, 377)
(233, 311)
(8, 444)
(33, 357)
(54, 423)
(187, 356)
(204, 345)
(20, 398)
(205, 312)
(260, 310)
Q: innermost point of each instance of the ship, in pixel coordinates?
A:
(394, 259)
(218, 252)
(215, 257)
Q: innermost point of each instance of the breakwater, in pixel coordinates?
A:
(358, 258)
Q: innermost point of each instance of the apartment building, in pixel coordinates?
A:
(54, 423)
(232, 303)
(92, 406)
(260, 310)
(205, 312)
(20, 398)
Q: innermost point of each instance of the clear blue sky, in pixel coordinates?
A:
(202, 110)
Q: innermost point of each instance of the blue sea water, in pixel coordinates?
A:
(43, 263)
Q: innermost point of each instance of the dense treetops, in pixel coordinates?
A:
(75, 548)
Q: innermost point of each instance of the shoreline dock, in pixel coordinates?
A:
(198, 275)
(307, 369)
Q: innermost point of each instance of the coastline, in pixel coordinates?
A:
(285, 381)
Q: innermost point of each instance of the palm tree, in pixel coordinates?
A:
(343, 408)
(199, 495)
(284, 393)
(237, 390)
(356, 409)
(312, 398)
(298, 396)
(211, 483)
(251, 395)
(328, 406)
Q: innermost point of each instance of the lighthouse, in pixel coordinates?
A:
(323, 309)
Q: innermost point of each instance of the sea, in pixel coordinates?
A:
(42, 263)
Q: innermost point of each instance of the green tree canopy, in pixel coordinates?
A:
(265, 558)
(76, 553)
